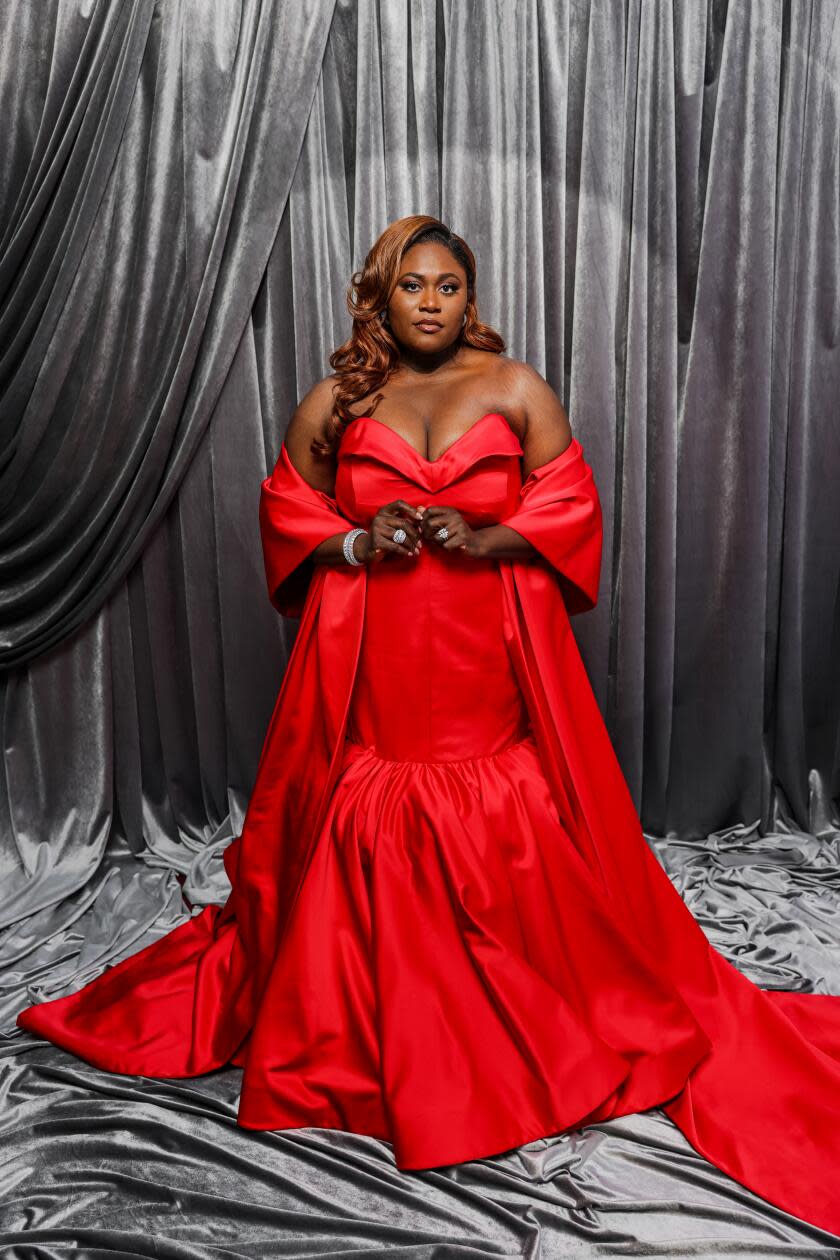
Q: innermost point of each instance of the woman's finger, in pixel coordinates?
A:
(456, 539)
(384, 530)
(433, 518)
(400, 522)
(455, 527)
(404, 509)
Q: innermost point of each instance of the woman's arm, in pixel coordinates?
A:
(547, 433)
(310, 419)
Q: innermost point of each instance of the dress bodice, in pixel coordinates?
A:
(435, 681)
(479, 473)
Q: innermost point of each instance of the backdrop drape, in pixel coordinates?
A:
(653, 195)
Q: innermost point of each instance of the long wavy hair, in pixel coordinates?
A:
(366, 360)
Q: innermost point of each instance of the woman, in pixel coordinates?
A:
(445, 927)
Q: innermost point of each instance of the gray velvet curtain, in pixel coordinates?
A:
(652, 190)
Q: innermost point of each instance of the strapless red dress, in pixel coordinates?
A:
(436, 984)
(445, 927)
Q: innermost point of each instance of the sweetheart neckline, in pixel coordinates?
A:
(432, 462)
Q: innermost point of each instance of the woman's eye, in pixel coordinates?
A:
(411, 285)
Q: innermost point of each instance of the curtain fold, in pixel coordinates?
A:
(133, 254)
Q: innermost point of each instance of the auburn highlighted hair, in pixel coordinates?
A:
(369, 356)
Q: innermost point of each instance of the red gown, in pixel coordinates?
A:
(445, 926)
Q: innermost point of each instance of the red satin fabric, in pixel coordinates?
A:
(445, 926)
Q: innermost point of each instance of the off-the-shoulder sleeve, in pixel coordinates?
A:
(559, 512)
(294, 519)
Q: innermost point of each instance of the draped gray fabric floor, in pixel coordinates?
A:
(98, 1165)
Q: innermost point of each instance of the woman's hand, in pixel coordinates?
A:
(373, 546)
(460, 535)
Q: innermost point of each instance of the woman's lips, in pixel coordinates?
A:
(429, 326)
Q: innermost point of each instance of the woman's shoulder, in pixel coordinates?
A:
(521, 390)
(516, 373)
(316, 405)
(492, 363)
(533, 407)
(311, 419)
(312, 414)
(513, 379)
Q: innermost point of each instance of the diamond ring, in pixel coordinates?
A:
(400, 535)
(442, 533)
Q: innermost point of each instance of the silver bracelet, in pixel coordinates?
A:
(347, 546)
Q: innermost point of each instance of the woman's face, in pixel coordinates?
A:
(431, 286)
